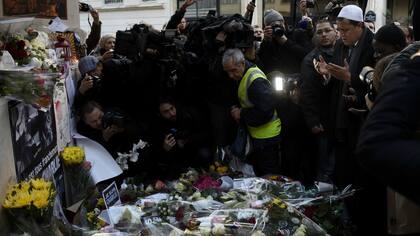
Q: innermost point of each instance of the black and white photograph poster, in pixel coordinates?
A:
(34, 140)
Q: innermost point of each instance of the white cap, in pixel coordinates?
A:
(351, 12)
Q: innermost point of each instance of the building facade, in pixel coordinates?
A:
(122, 14)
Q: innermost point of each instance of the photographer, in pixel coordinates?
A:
(95, 28)
(389, 39)
(178, 21)
(110, 127)
(105, 49)
(90, 86)
(279, 50)
(181, 139)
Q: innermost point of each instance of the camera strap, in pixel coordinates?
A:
(90, 24)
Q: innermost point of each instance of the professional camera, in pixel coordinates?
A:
(333, 7)
(85, 7)
(310, 3)
(113, 118)
(97, 81)
(278, 30)
(366, 75)
(286, 83)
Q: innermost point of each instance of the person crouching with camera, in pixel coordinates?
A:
(181, 139)
(281, 50)
(90, 85)
(101, 125)
(117, 132)
(113, 128)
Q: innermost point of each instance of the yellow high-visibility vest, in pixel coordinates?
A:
(269, 129)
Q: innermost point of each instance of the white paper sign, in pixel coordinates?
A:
(103, 165)
(56, 25)
(62, 116)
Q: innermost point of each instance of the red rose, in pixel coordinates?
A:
(20, 44)
(159, 185)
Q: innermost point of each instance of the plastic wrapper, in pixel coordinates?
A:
(161, 229)
(206, 205)
(30, 87)
(287, 220)
(130, 214)
(78, 182)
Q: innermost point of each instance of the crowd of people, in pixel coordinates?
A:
(322, 100)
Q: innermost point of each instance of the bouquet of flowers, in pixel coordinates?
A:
(78, 182)
(16, 46)
(30, 203)
(29, 49)
(29, 87)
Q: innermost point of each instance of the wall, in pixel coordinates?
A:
(120, 16)
(7, 167)
(72, 14)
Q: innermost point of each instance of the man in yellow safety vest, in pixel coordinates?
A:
(257, 111)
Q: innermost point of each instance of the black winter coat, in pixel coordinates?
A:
(347, 124)
(285, 58)
(389, 145)
(315, 91)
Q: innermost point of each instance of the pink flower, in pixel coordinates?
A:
(205, 182)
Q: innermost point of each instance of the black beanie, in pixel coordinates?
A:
(391, 34)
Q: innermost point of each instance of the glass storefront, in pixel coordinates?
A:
(220, 7)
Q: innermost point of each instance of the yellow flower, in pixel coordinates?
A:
(41, 203)
(73, 155)
(40, 184)
(35, 192)
(100, 203)
(212, 168)
(100, 224)
(22, 199)
(277, 201)
(222, 169)
(90, 216)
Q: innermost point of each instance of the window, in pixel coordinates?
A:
(282, 6)
(230, 7)
(113, 1)
(221, 7)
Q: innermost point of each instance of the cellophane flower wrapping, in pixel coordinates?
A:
(29, 87)
(78, 181)
(30, 206)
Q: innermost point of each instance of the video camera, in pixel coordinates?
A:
(366, 75)
(113, 118)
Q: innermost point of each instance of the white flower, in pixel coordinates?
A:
(245, 215)
(205, 231)
(134, 157)
(301, 231)
(218, 230)
(176, 232)
(258, 233)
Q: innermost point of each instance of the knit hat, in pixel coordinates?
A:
(391, 34)
(87, 64)
(105, 38)
(272, 15)
(351, 12)
(370, 16)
